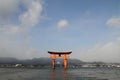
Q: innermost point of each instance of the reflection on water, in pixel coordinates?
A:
(60, 74)
(68, 75)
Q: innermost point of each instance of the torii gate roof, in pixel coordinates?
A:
(50, 52)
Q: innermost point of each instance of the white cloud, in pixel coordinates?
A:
(17, 49)
(10, 29)
(33, 15)
(114, 22)
(13, 22)
(109, 52)
(62, 23)
(26, 20)
(7, 9)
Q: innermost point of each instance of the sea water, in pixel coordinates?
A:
(60, 74)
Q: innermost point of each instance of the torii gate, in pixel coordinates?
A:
(63, 55)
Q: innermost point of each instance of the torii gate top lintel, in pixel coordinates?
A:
(59, 53)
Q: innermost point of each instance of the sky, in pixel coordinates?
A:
(88, 28)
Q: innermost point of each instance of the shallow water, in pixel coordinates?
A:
(60, 74)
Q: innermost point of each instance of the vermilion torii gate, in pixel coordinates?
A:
(63, 55)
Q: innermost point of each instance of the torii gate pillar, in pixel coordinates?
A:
(63, 55)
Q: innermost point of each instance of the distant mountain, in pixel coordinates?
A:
(42, 61)
(75, 61)
(8, 60)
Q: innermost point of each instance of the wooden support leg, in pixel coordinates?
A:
(53, 63)
(65, 63)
